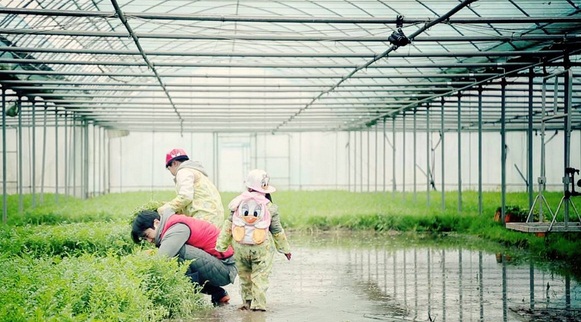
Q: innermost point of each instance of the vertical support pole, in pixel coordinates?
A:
(42, 176)
(428, 155)
(368, 158)
(86, 160)
(480, 164)
(376, 153)
(107, 173)
(102, 163)
(95, 149)
(56, 156)
(81, 161)
(4, 169)
(459, 147)
(360, 161)
(443, 156)
(415, 153)
(348, 161)
(542, 179)
(403, 162)
(384, 172)
(567, 88)
(20, 152)
(530, 140)
(19, 155)
(33, 152)
(120, 162)
(393, 187)
(503, 147)
(354, 159)
(66, 153)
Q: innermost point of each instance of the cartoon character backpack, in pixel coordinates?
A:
(251, 219)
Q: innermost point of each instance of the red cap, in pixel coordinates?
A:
(175, 154)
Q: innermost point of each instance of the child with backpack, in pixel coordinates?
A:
(254, 231)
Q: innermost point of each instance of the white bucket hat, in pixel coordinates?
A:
(258, 180)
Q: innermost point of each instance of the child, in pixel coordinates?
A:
(254, 231)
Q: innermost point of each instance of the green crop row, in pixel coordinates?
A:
(92, 288)
(96, 238)
(68, 259)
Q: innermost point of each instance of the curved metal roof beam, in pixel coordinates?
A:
(149, 64)
(428, 25)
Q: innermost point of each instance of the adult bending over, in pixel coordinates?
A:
(189, 239)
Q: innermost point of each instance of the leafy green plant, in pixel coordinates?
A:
(110, 288)
(76, 262)
(97, 238)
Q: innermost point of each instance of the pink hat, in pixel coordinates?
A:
(175, 154)
(258, 180)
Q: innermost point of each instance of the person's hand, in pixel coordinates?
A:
(288, 256)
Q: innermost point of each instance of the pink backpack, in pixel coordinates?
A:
(251, 218)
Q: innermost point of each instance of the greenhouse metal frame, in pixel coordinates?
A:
(365, 68)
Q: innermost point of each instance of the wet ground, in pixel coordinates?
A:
(360, 280)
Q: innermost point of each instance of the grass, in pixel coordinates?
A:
(327, 210)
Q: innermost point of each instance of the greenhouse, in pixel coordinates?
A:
(453, 110)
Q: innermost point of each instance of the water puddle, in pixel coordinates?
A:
(354, 277)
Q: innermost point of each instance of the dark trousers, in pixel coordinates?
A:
(216, 292)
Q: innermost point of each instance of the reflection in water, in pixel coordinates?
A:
(336, 278)
(430, 284)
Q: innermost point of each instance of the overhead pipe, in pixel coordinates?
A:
(206, 76)
(251, 65)
(524, 53)
(307, 20)
(120, 85)
(294, 37)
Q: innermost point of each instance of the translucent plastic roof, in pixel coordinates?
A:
(270, 66)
